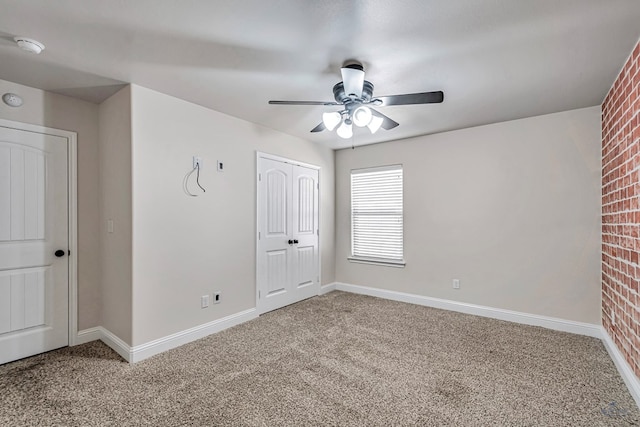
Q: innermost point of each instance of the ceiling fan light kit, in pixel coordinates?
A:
(362, 116)
(355, 95)
(345, 130)
(331, 120)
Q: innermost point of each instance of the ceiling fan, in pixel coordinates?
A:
(355, 95)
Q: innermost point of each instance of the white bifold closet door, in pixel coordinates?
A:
(34, 221)
(288, 253)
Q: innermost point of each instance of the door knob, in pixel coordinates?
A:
(59, 253)
(290, 242)
(295, 242)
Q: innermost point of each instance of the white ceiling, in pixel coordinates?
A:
(495, 60)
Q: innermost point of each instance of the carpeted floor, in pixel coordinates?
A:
(336, 360)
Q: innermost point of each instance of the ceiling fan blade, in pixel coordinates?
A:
(318, 128)
(303, 103)
(353, 79)
(388, 123)
(412, 98)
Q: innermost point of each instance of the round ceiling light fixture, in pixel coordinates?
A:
(29, 45)
(12, 100)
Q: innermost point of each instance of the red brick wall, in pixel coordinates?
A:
(621, 211)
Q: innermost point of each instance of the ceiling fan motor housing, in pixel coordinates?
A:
(341, 97)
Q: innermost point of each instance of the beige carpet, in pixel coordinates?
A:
(335, 360)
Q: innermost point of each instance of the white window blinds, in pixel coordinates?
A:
(376, 214)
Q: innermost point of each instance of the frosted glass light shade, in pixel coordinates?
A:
(362, 116)
(345, 131)
(331, 120)
(375, 124)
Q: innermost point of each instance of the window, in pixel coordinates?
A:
(376, 216)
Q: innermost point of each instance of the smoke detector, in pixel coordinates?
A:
(12, 100)
(29, 45)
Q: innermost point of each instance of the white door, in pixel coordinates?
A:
(304, 251)
(34, 280)
(288, 257)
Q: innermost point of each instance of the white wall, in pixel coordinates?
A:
(115, 205)
(511, 209)
(185, 247)
(61, 112)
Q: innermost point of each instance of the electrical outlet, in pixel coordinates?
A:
(204, 301)
(197, 161)
(220, 166)
(216, 297)
(456, 283)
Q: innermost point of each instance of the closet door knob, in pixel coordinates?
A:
(59, 253)
(290, 242)
(295, 242)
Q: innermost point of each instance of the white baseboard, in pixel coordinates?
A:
(107, 337)
(119, 346)
(630, 379)
(574, 327)
(325, 289)
(88, 335)
(144, 351)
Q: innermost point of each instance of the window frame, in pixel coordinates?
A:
(390, 262)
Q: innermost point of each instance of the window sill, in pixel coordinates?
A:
(382, 262)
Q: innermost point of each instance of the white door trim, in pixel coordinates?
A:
(260, 154)
(72, 179)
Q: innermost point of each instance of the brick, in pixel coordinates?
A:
(621, 210)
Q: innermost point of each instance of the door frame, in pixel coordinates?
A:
(72, 189)
(261, 154)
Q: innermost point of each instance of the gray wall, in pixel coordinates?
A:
(115, 204)
(61, 112)
(185, 247)
(511, 209)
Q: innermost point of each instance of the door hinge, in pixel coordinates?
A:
(259, 177)
(318, 186)
(259, 295)
(317, 232)
(259, 236)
